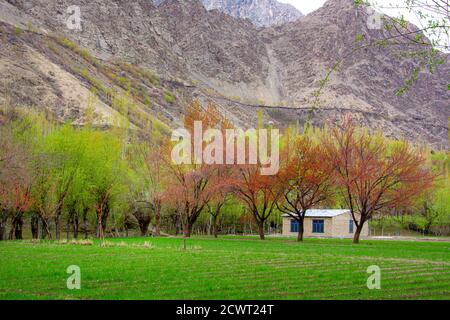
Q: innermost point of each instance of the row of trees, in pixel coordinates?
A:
(68, 178)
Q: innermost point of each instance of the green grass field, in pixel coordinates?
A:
(226, 268)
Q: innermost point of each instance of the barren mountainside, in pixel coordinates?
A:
(262, 13)
(170, 53)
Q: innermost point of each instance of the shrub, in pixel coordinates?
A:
(66, 43)
(169, 97)
(154, 79)
(81, 242)
(148, 245)
(124, 83)
(106, 244)
(147, 101)
(94, 82)
(30, 27)
(18, 31)
(144, 74)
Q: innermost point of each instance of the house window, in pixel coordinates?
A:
(350, 226)
(318, 226)
(294, 225)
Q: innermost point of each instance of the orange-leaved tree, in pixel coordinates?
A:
(257, 192)
(15, 183)
(372, 173)
(305, 179)
(196, 184)
(16, 200)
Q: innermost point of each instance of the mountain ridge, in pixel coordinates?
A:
(211, 56)
(262, 13)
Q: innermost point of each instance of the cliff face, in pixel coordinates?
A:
(209, 55)
(262, 13)
(365, 80)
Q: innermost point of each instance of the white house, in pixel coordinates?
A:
(327, 223)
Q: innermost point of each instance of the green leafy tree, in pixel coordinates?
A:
(105, 165)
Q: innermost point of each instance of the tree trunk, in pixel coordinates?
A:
(2, 230)
(11, 232)
(101, 221)
(300, 230)
(178, 223)
(75, 225)
(158, 218)
(34, 226)
(187, 230)
(99, 231)
(104, 226)
(57, 226)
(357, 233)
(261, 230)
(143, 221)
(19, 228)
(69, 222)
(105, 217)
(16, 227)
(3, 221)
(215, 230)
(85, 225)
(143, 226)
(214, 223)
(45, 230)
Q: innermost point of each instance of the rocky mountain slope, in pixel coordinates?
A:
(161, 57)
(262, 13)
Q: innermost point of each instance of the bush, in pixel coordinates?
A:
(154, 79)
(66, 43)
(142, 74)
(18, 31)
(94, 82)
(124, 83)
(83, 53)
(169, 97)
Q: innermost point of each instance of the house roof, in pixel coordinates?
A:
(323, 213)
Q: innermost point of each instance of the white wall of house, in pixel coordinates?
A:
(333, 227)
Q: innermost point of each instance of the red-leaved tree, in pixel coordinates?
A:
(15, 183)
(195, 184)
(257, 192)
(305, 179)
(373, 174)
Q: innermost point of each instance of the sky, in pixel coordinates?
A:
(305, 6)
